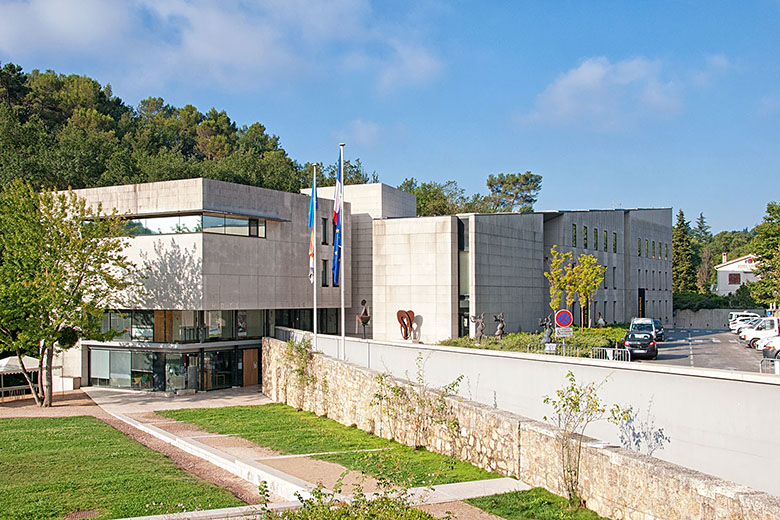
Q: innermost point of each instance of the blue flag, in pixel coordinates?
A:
(312, 222)
(338, 209)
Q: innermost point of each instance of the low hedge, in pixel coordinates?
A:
(583, 339)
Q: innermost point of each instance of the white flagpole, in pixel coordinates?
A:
(314, 231)
(341, 255)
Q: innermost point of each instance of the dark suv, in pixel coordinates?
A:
(659, 330)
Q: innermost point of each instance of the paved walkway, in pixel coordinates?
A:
(286, 476)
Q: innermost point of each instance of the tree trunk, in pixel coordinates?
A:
(29, 378)
(47, 376)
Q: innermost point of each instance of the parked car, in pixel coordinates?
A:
(747, 325)
(766, 328)
(659, 330)
(735, 324)
(770, 346)
(647, 325)
(641, 345)
(742, 314)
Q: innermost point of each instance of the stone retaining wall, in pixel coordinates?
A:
(616, 483)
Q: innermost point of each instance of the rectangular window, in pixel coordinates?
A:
(324, 273)
(236, 226)
(666, 251)
(734, 279)
(585, 237)
(213, 224)
(639, 246)
(614, 277)
(605, 240)
(653, 248)
(614, 242)
(647, 242)
(324, 228)
(574, 235)
(253, 231)
(605, 279)
(596, 239)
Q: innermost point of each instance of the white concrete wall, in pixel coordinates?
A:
(720, 422)
(415, 268)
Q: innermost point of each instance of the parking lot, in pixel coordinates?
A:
(706, 349)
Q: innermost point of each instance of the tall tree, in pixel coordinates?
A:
(513, 191)
(586, 277)
(705, 271)
(767, 248)
(702, 230)
(61, 266)
(558, 276)
(683, 269)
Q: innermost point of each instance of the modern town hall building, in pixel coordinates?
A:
(224, 264)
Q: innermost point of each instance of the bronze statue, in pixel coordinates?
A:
(363, 318)
(480, 326)
(547, 323)
(405, 318)
(500, 328)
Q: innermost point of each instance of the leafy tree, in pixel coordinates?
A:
(704, 272)
(683, 269)
(61, 266)
(767, 248)
(559, 276)
(435, 198)
(586, 277)
(513, 191)
(13, 86)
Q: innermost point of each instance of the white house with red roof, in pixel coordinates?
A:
(733, 273)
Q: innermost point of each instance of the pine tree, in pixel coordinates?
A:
(683, 269)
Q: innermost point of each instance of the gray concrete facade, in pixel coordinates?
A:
(207, 271)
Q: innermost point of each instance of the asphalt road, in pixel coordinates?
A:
(706, 349)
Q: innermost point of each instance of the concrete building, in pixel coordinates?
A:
(449, 268)
(733, 273)
(224, 264)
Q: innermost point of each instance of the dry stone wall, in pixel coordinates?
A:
(615, 483)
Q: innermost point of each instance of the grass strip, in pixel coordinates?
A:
(287, 430)
(54, 466)
(533, 504)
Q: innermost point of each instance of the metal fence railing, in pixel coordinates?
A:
(769, 366)
(613, 354)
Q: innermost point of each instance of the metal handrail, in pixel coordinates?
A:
(769, 366)
(610, 353)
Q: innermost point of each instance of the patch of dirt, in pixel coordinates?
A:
(460, 510)
(87, 513)
(325, 473)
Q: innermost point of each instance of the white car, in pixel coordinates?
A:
(766, 328)
(735, 324)
(747, 325)
(768, 344)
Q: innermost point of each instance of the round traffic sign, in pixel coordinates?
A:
(563, 318)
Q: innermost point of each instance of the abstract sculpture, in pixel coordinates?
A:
(405, 318)
(500, 328)
(363, 318)
(480, 326)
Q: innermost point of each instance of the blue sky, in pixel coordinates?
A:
(615, 104)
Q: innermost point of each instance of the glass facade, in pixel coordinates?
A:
(197, 223)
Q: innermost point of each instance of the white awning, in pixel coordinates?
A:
(10, 365)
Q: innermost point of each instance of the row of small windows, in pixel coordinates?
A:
(650, 280)
(196, 223)
(595, 243)
(648, 249)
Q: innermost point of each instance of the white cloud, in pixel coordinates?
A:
(228, 44)
(53, 26)
(607, 95)
(363, 133)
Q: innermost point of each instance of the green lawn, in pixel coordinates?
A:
(534, 504)
(50, 467)
(287, 430)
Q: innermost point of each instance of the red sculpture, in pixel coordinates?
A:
(405, 318)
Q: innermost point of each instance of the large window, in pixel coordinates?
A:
(209, 223)
(219, 324)
(734, 279)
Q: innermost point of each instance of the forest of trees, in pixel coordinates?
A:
(59, 130)
(68, 130)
